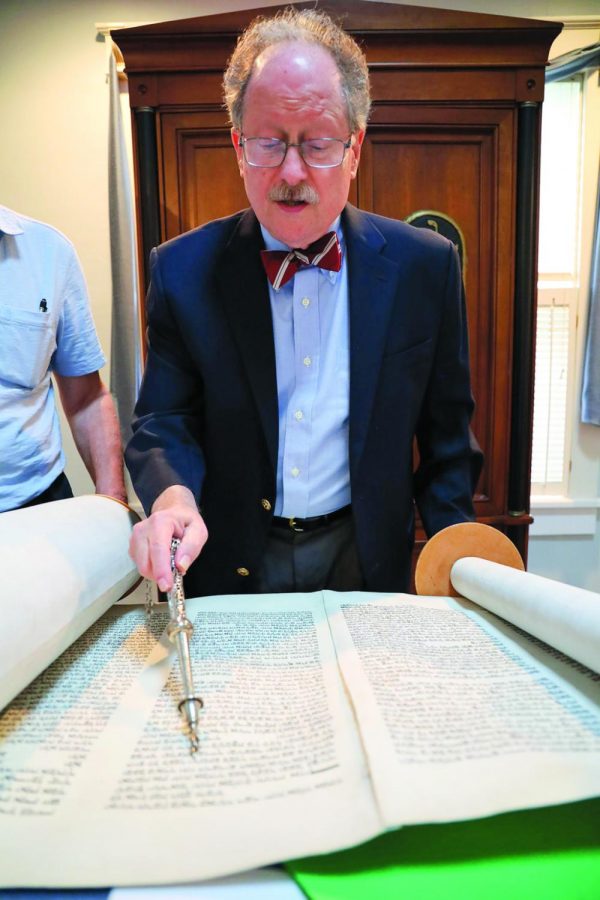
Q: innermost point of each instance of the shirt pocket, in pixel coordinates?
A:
(27, 342)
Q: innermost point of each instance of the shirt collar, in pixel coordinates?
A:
(9, 222)
(272, 243)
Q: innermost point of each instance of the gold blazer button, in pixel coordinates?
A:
(265, 504)
(242, 570)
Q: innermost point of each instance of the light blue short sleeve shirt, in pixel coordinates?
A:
(45, 326)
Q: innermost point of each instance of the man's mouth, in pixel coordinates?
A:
(293, 196)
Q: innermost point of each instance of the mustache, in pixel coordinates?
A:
(296, 193)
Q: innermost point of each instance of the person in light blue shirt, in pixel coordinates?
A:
(46, 333)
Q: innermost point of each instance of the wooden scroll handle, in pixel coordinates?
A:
(434, 565)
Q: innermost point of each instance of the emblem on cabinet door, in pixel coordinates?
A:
(445, 225)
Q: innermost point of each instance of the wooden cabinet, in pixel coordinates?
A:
(453, 135)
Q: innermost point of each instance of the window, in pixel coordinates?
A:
(558, 285)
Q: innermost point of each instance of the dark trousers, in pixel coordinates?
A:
(60, 489)
(326, 558)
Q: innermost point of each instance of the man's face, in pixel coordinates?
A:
(295, 93)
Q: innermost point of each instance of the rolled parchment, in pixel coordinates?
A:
(62, 565)
(566, 617)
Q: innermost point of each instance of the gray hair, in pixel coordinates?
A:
(308, 25)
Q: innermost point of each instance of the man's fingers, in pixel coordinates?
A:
(138, 550)
(150, 545)
(160, 555)
(150, 550)
(193, 540)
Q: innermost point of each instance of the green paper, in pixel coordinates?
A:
(537, 854)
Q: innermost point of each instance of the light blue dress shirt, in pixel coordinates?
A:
(45, 326)
(311, 331)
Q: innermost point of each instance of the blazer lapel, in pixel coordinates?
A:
(372, 284)
(245, 295)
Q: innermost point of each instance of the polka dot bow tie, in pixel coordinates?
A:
(282, 265)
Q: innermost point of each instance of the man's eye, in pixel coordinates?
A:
(316, 146)
(265, 144)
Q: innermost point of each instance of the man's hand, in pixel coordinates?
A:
(174, 514)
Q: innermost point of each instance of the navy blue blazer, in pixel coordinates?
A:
(207, 412)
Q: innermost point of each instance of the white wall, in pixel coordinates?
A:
(53, 158)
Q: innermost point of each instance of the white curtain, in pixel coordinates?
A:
(126, 356)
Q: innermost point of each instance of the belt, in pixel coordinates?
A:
(313, 522)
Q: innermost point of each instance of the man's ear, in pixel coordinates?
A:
(354, 151)
(235, 140)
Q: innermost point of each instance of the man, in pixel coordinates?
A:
(286, 412)
(46, 329)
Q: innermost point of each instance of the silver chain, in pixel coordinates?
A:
(149, 597)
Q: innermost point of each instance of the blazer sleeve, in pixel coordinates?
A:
(450, 459)
(166, 445)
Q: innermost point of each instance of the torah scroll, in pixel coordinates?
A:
(328, 718)
(62, 565)
(479, 563)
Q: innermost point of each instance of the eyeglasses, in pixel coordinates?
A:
(318, 153)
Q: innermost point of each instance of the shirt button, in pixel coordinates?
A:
(265, 504)
(295, 471)
(242, 570)
(307, 361)
(305, 302)
(298, 414)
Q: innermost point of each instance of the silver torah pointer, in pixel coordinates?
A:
(179, 631)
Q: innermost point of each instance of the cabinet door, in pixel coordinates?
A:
(200, 172)
(457, 161)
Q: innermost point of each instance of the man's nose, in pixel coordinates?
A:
(293, 168)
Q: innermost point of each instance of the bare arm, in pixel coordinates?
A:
(90, 411)
(174, 514)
